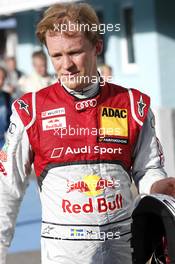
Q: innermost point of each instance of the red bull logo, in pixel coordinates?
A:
(101, 206)
(91, 185)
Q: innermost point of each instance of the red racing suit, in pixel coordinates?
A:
(85, 153)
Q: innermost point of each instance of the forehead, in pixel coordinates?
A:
(58, 40)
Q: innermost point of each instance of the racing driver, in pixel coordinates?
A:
(87, 139)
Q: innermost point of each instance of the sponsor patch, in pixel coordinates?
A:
(141, 106)
(93, 186)
(12, 128)
(91, 103)
(47, 230)
(53, 112)
(56, 153)
(101, 205)
(54, 123)
(113, 140)
(76, 232)
(60, 152)
(114, 121)
(23, 106)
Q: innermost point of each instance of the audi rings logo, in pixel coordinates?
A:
(86, 104)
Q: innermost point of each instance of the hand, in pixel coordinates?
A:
(164, 186)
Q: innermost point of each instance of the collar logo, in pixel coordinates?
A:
(91, 103)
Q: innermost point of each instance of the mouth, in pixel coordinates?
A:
(70, 74)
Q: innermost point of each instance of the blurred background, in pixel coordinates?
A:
(139, 55)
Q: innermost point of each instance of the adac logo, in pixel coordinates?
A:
(91, 185)
(114, 121)
(114, 112)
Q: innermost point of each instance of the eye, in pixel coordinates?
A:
(58, 57)
(76, 53)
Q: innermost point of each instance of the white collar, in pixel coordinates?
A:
(87, 92)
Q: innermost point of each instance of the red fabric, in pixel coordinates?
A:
(54, 97)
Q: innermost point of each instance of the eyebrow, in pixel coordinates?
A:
(56, 54)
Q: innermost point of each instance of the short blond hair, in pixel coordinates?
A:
(62, 14)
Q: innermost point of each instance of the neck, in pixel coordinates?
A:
(87, 92)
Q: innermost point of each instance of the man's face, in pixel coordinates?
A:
(74, 59)
(39, 65)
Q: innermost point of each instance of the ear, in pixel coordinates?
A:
(99, 46)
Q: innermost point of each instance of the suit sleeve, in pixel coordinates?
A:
(148, 165)
(15, 165)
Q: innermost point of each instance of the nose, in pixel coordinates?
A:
(67, 62)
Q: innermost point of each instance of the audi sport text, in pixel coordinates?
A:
(95, 149)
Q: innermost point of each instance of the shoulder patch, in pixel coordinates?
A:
(25, 107)
(140, 104)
